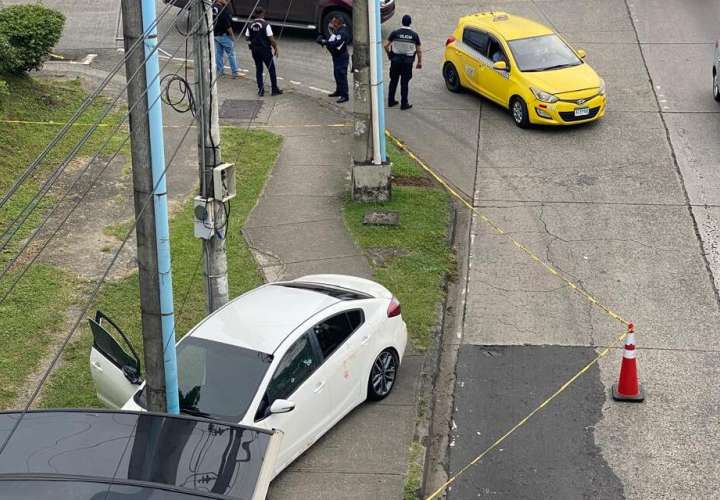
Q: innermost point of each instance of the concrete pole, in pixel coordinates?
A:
(214, 248)
(370, 182)
(143, 188)
(362, 146)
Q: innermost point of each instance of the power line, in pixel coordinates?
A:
(70, 189)
(78, 113)
(16, 224)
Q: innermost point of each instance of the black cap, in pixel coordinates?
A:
(406, 20)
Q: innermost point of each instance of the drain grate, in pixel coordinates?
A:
(240, 109)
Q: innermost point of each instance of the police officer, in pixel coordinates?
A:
(402, 46)
(262, 44)
(337, 45)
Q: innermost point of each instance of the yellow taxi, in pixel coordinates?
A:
(525, 67)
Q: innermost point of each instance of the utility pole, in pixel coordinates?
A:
(150, 199)
(361, 83)
(370, 170)
(210, 211)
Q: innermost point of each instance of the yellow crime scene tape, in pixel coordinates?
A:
(590, 298)
(299, 125)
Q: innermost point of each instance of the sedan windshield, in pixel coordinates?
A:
(542, 53)
(216, 380)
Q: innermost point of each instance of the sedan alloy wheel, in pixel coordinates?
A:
(382, 375)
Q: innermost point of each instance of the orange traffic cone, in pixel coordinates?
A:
(628, 386)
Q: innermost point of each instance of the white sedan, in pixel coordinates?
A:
(296, 356)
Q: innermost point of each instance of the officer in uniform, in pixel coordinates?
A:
(262, 44)
(337, 45)
(402, 46)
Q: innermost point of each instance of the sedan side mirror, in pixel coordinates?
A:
(281, 406)
(581, 53)
(500, 66)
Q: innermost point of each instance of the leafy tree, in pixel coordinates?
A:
(27, 33)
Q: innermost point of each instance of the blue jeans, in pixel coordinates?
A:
(225, 44)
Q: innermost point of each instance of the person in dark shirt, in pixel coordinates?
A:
(402, 47)
(337, 45)
(224, 38)
(262, 42)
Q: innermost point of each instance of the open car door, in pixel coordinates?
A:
(114, 364)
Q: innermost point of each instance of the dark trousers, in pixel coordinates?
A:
(400, 71)
(340, 68)
(263, 58)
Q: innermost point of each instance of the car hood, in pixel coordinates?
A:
(559, 81)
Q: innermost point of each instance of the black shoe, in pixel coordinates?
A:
(261, 92)
(342, 100)
(406, 106)
(392, 103)
(277, 92)
(334, 94)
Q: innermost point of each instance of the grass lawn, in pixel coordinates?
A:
(46, 291)
(254, 153)
(421, 252)
(419, 259)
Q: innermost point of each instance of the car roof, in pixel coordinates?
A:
(509, 26)
(262, 318)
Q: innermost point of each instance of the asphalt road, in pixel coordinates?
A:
(627, 208)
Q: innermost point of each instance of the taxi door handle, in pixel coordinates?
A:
(319, 387)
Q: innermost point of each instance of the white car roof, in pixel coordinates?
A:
(262, 318)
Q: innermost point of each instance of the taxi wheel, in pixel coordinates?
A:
(716, 86)
(452, 78)
(519, 112)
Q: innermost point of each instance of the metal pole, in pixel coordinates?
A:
(214, 248)
(160, 202)
(374, 73)
(380, 53)
(143, 185)
(362, 146)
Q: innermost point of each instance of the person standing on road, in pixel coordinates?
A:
(224, 38)
(263, 46)
(402, 46)
(337, 45)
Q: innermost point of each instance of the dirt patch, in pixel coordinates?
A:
(404, 180)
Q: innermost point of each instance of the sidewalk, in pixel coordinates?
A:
(297, 229)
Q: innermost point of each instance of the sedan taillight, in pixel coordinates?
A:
(394, 308)
(450, 40)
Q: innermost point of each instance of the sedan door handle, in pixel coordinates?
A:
(97, 366)
(319, 387)
(365, 340)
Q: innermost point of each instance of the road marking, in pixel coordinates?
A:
(319, 90)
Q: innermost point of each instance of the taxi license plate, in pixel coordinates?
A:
(582, 111)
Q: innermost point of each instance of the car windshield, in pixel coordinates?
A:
(542, 53)
(216, 380)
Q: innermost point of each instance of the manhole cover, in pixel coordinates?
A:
(240, 109)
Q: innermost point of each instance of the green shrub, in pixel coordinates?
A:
(4, 94)
(27, 33)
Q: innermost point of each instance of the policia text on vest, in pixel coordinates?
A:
(402, 46)
(262, 45)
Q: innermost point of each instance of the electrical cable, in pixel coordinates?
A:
(94, 294)
(96, 290)
(79, 112)
(17, 223)
(71, 188)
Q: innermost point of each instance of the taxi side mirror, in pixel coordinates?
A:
(581, 53)
(500, 66)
